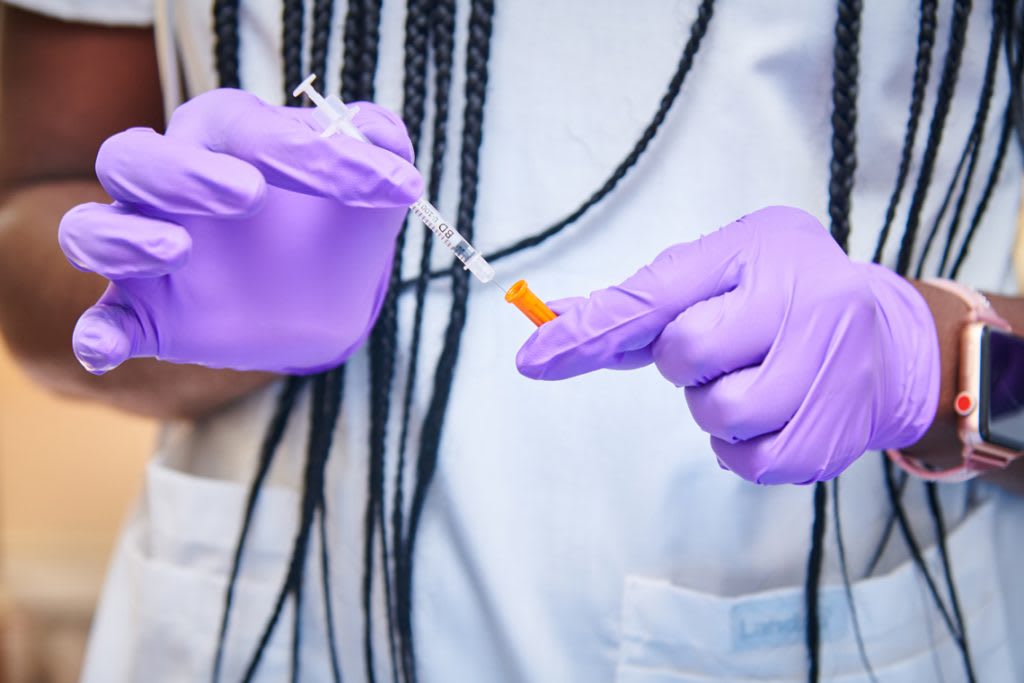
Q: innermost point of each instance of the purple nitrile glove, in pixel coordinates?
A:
(795, 359)
(240, 238)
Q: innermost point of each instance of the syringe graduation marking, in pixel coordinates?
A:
(446, 233)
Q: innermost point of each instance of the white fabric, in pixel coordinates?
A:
(106, 12)
(581, 530)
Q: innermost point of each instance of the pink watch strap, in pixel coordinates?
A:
(979, 310)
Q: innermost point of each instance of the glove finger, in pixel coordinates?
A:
(117, 243)
(293, 156)
(815, 444)
(627, 360)
(613, 324)
(380, 125)
(142, 167)
(717, 336)
(746, 404)
(107, 335)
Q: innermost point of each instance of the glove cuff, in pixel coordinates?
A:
(912, 363)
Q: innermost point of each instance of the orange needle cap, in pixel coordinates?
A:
(527, 302)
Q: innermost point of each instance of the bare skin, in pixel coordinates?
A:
(46, 167)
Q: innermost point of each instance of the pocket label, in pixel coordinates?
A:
(779, 621)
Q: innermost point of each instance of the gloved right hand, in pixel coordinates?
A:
(240, 238)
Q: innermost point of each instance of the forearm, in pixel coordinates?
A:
(41, 297)
(941, 446)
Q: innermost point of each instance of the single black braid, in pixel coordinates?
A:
(368, 55)
(351, 61)
(323, 13)
(935, 506)
(845, 74)
(442, 38)
(325, 585)
(477, 55)
(947, 87)
(697, 31)
(417, 32)
(815, 560)
(382, 363)
(972, 149)
(922, 69)
(292, 16)
(275, 431)
(225, 29)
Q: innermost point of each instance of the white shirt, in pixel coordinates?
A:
(581, 530)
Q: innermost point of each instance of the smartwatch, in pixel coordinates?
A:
(990, 398)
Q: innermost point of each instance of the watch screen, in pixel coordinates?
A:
(1002, 389)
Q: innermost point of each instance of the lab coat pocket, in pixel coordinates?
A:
(179, 554)
(671, 634)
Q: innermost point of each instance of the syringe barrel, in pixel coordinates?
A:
(459, 245)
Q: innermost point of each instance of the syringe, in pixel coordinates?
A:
(335, 116)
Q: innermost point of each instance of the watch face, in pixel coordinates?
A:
(1002, 389)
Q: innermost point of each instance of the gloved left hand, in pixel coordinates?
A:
(795, 359)
(240, 238)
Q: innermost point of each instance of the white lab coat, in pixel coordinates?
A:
(581, 530)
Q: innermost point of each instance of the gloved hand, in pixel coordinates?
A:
(795, 359)
(240, 238)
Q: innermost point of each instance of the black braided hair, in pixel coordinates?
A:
(370, 36)
(915, 550)
(844, 569)
(993, 178)
(961, 12)
(1015, 59)
(359, 65)
(972, 148)
(944, 99)
(815, 559)
(1013, 118)
(327, 387)
(845, 75)
(352, 46)
(419, 28)
(697, 31)
(326, 402)
(1006, 24)
(225, 27)
(935, 507)
(292, 15)
(477, 56)
(383, 343)
(922, 68)
(275, 431)
(323, 13)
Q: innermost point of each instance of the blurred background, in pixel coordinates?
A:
(69, 472)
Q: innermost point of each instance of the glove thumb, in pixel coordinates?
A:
(106, 336)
